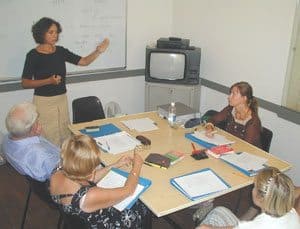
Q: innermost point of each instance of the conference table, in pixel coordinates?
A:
(162, 198)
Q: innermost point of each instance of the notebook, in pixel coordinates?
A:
(247, 163)
(116, 178)
(199, 183)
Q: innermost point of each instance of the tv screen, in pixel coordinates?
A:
(174, 66)
(167, 66)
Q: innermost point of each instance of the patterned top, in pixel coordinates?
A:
(104, 218)
(248, 130)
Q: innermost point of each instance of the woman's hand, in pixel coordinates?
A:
(209, 130)
(124, 160)
(137, 160)
(103, 46)
(55, 79)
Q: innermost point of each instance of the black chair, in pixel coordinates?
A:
(41, 190)
(72, 221)
(87, 109)
(266, 136)
(65, 221)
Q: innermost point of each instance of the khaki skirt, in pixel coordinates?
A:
(54, 117)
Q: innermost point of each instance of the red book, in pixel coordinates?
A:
(220, 150)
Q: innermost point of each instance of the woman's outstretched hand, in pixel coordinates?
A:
(103, 46)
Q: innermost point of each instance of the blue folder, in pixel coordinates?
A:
(106, 129)
(249, 173)
(199, 141)
(176, 185)
(142, 181)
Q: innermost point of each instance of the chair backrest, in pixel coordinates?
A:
(41, 190)
(87, 109)
(266, 136)
(72, 221)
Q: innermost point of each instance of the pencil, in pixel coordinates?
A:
(154, 165)
(194, 148)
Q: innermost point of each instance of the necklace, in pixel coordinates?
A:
(240, 115)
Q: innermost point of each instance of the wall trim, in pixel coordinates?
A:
(78, 78)
(282, 112)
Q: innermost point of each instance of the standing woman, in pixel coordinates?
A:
(45, 72)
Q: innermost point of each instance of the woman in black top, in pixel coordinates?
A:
(45, 72)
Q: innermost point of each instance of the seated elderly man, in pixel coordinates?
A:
(28, 152)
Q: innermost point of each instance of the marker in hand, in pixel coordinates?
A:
(58, 79)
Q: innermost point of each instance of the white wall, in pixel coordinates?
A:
(145, 23)
(240, 40)
(244, 40)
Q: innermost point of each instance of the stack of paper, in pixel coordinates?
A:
(116, 178)
(117, 143)
(247, 163)
(199, 184)
(140, 125)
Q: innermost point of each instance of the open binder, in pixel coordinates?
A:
(205, 144)
(199, 183)
(247, 163)
(116, 178)
(200, 138)
(112, 140)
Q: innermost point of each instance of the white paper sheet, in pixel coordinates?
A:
(117, 143)
(200, 183)
(246, 161)
(115, 180)
(140, 125)
(217, 139)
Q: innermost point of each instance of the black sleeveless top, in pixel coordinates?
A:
(103, 218)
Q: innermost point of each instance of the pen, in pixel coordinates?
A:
(108, 147)
(154, 165)
(101, 146)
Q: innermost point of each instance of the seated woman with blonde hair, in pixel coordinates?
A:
(74, 188)
(274, 194)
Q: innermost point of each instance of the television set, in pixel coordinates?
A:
(174, 66)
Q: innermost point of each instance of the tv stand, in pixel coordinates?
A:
(161, 93)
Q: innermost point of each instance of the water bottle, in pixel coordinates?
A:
(172, 114)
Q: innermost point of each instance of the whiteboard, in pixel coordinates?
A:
(85, 23)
